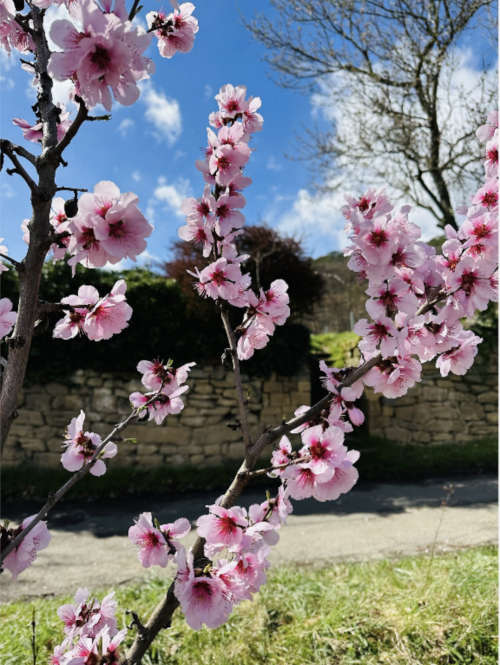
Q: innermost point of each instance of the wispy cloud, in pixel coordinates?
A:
(136, 176)
(162, 112)
(272, 164)
(125, 126)
(172, 194)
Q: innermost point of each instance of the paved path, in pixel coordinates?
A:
(89, 546)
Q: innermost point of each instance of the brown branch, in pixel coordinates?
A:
(162, 615)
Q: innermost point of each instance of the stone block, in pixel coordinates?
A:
(492, 417)
(47, 459)
(55, 389)
(145, 449)
(490, 397)
(34, 444)
(31, 417)
(150, 460)
(37, 401)
(236, 450)
(196, 459)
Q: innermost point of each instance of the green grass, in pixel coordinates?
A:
(380, 461)
(412, 611)
(339, 346)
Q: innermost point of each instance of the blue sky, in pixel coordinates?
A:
(150, 148)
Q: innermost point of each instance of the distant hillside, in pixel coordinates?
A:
(343, 302)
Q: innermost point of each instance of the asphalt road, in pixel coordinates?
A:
(90, 547)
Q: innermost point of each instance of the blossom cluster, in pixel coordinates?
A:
(91, 633)
(25, 553)
(102, 51)
(214, 221)
(98, 318)
(174, 31)
(237, 541)
(165, 384)
(80, 447)
(417, 297)
(107, 227)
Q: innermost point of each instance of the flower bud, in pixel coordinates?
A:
(71, 207)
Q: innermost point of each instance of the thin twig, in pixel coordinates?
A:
(18, 265)
(237, 379)
(71, 189)
(58, 495)
(9, 149)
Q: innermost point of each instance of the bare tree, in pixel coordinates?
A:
(387, 74)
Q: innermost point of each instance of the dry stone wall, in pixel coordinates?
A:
(202, 433)
(438, 410)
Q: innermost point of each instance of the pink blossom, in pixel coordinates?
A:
(393, 377)
(204, 600)
(486, 131)
(281, 455)
(157, 375)
(153, 550)
(73, 322)
(232, 101)
(25, 553)
(163, 405)
(110, 315)
(222, 527)
(7, 317)
(108, 227)
(175, 31)
(104, 57)
(81, 447)
(34, 132)
(380, 334)
(460, 357)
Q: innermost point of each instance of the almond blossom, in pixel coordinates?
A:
(25, 553)
(7, 317)
(81, 447)
(174, 31)
(103, 56)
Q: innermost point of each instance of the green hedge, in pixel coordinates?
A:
(161, 327)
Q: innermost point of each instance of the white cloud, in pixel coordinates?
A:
(172, 195)
(208, 91)
(125, 126)
(6, 63)
(6, 191)
(136, 176)
(273, 164)
(311, 215)
(162, 112)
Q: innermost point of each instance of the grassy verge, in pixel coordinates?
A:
(413, 611)
(380, 461)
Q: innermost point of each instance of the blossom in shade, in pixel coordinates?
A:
(81, 446)
(25, 553)
(460, 357)
(163, 404)
(7, 317)
(109, 315)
